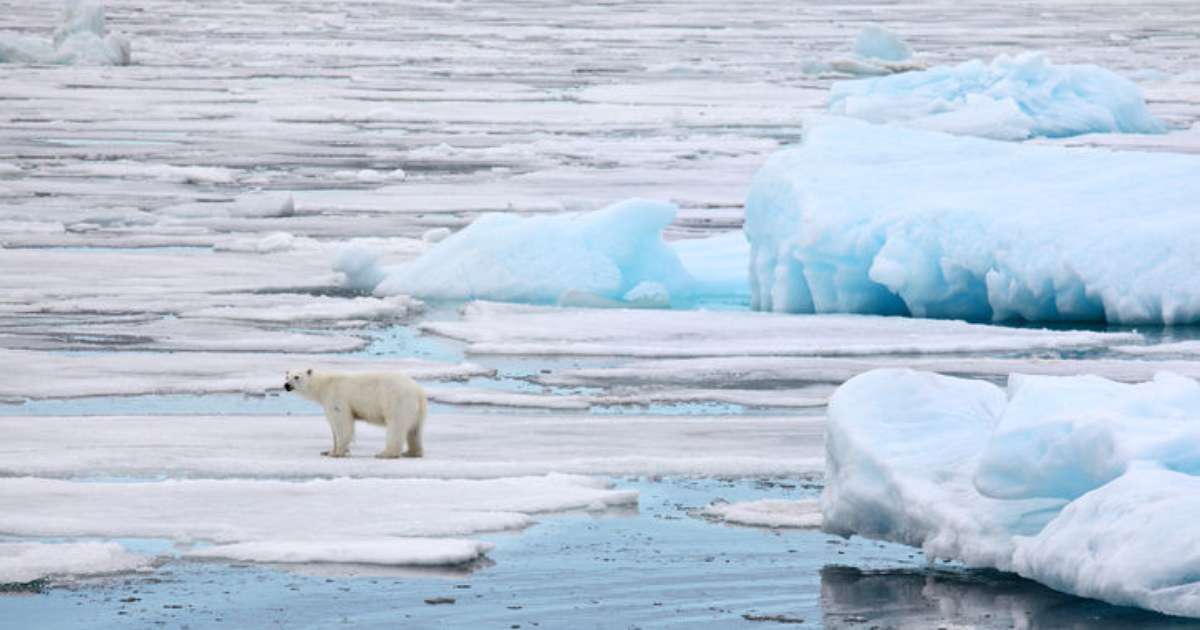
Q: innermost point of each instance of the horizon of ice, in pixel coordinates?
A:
(81, 39)
(615, 256)
(879, 219)
(1010, 98)
(1095, 503)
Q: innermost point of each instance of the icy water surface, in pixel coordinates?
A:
(655, 567)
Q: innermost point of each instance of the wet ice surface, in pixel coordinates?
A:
(140, 276)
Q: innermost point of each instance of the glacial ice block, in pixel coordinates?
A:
(863, 218)
(1011, 98)
(613, 256)
(1108, 494)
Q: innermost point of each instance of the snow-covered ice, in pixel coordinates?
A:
(508, 329)
(458, 445)
(772, 513)
(1011, 98)
(82, 39)
(865, 218)
(22, 562)
(1080, 483)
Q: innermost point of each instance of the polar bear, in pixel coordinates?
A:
(394, 401)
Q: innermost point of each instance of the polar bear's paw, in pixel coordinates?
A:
(387, 455)
(334, 453)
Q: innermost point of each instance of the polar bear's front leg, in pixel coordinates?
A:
(395, 434)
(341, 424)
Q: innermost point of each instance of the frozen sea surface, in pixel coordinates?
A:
(167, 234)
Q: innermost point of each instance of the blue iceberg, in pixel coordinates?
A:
(1012, 98)
(615, 256)
(879, 219)
(1100, 499)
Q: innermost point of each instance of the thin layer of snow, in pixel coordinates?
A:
(949, 226)
(457, 445)
(493, 328)
(318, 309)
(773, 513)
(1086, 504)
(22, 562)
(1012, 98)
(390, 551)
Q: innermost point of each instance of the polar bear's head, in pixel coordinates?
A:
(298, 381)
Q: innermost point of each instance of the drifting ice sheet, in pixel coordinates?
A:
(1086, 507)
(877, 219)
(1012, 98)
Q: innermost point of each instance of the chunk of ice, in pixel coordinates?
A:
(955, 467)
(877, 219)
(1012, 98)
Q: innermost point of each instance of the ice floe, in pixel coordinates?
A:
(360, 520)
(949, 226)
(1011, 98)
(24, 562)
(390, 551)
(1080, 483)
(458, 446)
(772, 513)
(494, 328)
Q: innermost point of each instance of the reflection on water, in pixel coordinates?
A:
(926, 598)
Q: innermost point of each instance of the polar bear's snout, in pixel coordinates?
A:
(287, 386)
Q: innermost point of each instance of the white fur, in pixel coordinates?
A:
(394, 401)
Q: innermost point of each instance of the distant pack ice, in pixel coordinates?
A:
(1085, 485)
(1011, 98)
(615, 256)
(82, 39)
(879, 219)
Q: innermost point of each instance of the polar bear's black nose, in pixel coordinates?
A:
(287, 386)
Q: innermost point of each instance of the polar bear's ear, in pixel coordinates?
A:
(310, 371)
